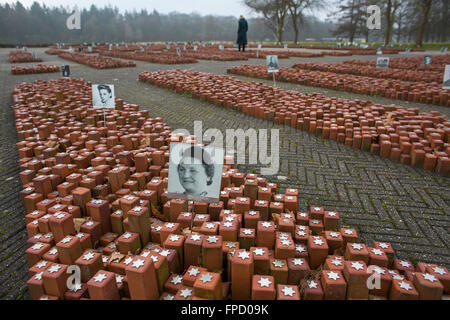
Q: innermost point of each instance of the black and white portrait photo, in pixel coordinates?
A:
(427, 60)
(65, 71)
(103, 96)
(382, 63)
(272, 64)
(447, 77)
(195, 172)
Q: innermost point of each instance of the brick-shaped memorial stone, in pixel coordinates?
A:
(103, 286)
(263, 288)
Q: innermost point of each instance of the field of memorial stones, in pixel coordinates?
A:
(363, 188)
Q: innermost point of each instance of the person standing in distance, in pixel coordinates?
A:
(242, 33)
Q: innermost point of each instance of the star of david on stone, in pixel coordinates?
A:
(186, 293)
(187, 214)
(383, 245)
(227, 224)
(405, 264)
(212, 239)
(138, 263)
(332, 214)
(170, 225)
(210, 226)
(194, 272)
(119, 279)
(405, 285)
(301, 233)
(259, 252)
(38, 276)
(54, 268)
(300, 248)
(100, 277)
(357, 266)
(315, 222)
(278, 263)
(174, 238)
(37, 246)
(89, 223)
(252, 213)
(397, 277)
(302, 228)
(231, 245)
(318, 242)
(128, 261)
(439, 270)
(127, 235)
(348, 231)
(264, 282)
(288, 291)
(244, 255)
(201, 216)
(53, 252)
(286, 242)
(247, 232)
(76, 287)
(357, 246)
(38, 236)
(377, 252)
(336, 262)
(429, 277)
(169, 297)
(66, 240)
(266, 224)
(333, 275)
(88, 256)
(41, 264)
(195, 237)
(80, 235)
(312, 285)
(60, 216)
(207, 277)
(176, 280)
(334, 234)
(158, 228)
(297, 262)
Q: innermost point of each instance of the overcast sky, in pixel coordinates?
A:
(204, 7)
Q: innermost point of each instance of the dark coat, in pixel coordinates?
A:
(242, 32)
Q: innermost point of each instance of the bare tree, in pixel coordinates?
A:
(349, 15)
(391, 9)
(424, 6)
(274, 12)
(296, 11)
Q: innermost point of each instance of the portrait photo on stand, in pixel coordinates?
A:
(103, 96)
(195, 172)
(447, 77)
(382, 63)
(272, 64)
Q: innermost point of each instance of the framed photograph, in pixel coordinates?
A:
(382, 63)
(272, 64)
(103, 96)
(179, 52)
(195, 172)
(427, 60)
(447, 77)
(65, 71)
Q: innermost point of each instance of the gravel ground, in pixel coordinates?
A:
(383, 200)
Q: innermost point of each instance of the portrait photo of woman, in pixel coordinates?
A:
(195, 173)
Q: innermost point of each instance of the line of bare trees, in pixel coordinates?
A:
(405, 20)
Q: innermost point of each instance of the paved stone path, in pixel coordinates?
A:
(383, 200)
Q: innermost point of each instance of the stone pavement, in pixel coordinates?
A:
(383, 200)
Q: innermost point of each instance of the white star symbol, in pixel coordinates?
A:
(348, 231)
(227, 224)
(383, 245)
(288, 291)
(332, 214)
(187, 214)
(266, 224)
(397, 277)
(90, 223)
(128, 261)
(88, 256)
(405, 264)
(53, 251)
(312, 285)
(158, 228)
(259, 252)
(174, 238)
(154, 258)
(405, 285)
(300, 248)
(76, 287)
(315, 221)
(286, 242)
(247, 232)
(138, 263)
(357, 266)
(212, 239)
(252, 213)
(278, 263)
(165, 253)
(231, 245)
(169, 297)
(60, 216)
(440, 271)
(194, 272)
(336, 262)
(244, 255)
(333, 275)
(38, 276)
(210, 226)
(334, 234)
(66, 240)
(145, 254)
(100, 277)
(318, 242)
(54, 268)
(200, 216)
(301, 233)
(80, 235)
(283, 236)
(127, 235)
(429, 277)
(207, 277)
(298, 262)
(377, 252)
(176, 280)
(229, 219)
(37, 246)
(41, 264)
(195, 237)
(357, 246)
(119, 279)
(169, 225)
(303, 215)
(264, 282)
(186, 293)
